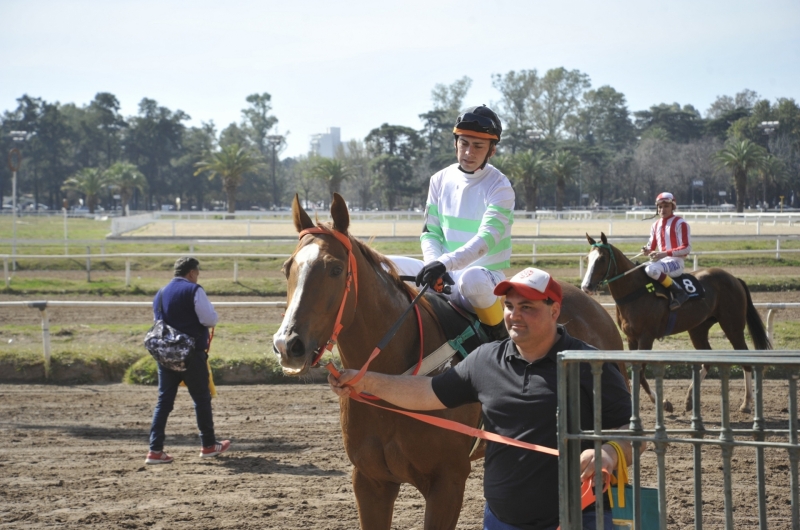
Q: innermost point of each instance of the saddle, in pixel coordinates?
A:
(688, 282)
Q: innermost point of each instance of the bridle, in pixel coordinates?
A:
(605, 280)
(352, 277)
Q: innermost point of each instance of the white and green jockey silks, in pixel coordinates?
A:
(468, 219)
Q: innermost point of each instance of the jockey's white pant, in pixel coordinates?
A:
(672, 267)
(474, 286)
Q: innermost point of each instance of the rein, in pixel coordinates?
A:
(606, 280)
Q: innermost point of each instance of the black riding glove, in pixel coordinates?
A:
(432, 272)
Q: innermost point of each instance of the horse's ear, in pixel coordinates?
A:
(339, 214)
(603, 238)
(589, 239)
(299, 216)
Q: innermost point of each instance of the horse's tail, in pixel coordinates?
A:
(754, 323)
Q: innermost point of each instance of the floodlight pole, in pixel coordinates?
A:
(274, 140)
(769, 128)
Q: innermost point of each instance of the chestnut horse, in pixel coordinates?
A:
(643, 317)
(387, 449)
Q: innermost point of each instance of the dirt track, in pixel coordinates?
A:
(73, 458)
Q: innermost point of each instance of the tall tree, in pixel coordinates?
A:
(744, 100)
(518, 91)
(89, 181)
(231, 163)
(450, 98)
(362, 179)
(154, 139)
(557, 96)
(603, 120)
(125, 178)
(740, 157)
(681, 124)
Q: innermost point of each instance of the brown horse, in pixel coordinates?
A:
(644, 317)
(387, 449)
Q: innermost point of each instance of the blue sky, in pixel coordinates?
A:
(357, 64)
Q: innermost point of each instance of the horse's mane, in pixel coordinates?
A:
(383, 265)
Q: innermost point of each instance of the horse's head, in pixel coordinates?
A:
(317, 276)
(601, 264)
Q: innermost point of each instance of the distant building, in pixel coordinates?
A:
(326, 144)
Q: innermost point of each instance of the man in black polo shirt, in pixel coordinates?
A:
(515, 382)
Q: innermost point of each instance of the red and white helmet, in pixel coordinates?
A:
(666, 197)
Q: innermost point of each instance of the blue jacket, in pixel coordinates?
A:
(177, 301)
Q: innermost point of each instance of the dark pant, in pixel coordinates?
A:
(196, 379)
(491, 522)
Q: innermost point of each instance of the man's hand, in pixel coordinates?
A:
(656, 255)
(432, 272)
(338, 384)
(587, 461)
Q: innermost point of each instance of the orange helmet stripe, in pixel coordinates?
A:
(476, 134)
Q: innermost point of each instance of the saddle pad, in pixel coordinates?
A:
(688, 282)
(453, 322)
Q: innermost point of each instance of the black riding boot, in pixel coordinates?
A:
(679, 296)
(498, 331)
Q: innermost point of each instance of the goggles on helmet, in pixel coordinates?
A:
(476, 125)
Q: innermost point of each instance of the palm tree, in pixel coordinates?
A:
(331, 171)
(231, 163)
(564, 166)
(532, 171)
(89, 181)
(126, 178)
(740, 157)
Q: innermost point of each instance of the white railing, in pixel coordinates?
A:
(724, 217)
(236, 256)
(42, 306)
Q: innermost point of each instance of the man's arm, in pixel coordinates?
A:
(406, 391)
(609, 457)
(205, 311)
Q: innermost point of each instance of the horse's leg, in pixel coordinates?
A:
(375, 500)
(646, 343)
(735, 334)
(443, 502)
(699, 336)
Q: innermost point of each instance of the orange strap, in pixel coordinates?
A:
(352, 276)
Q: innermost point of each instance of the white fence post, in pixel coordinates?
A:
(235, 271)
(533, 260)
(127, 273)
(694, 266)
(88, 265)
(46, 340)
(580, 268)
(778, 249)
(173, 228)
(5, 273)
(610, 228)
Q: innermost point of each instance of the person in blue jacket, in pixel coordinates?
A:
(183, 304)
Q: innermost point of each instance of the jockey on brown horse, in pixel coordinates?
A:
(669, 243)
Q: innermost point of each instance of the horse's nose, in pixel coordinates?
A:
(295, 346)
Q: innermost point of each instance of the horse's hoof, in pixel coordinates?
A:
(745, 410)
(668, 406)
(689, 406)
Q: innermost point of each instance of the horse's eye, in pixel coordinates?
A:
(337, 270)
(286, 266)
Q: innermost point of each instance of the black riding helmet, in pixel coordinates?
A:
(480, 122)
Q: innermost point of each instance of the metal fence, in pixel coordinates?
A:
(726, 437)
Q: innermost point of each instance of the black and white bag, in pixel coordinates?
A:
(168, 346)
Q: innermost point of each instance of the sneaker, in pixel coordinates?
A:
(158, 457)
(215, 450)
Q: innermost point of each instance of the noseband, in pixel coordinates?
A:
(352, 277)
